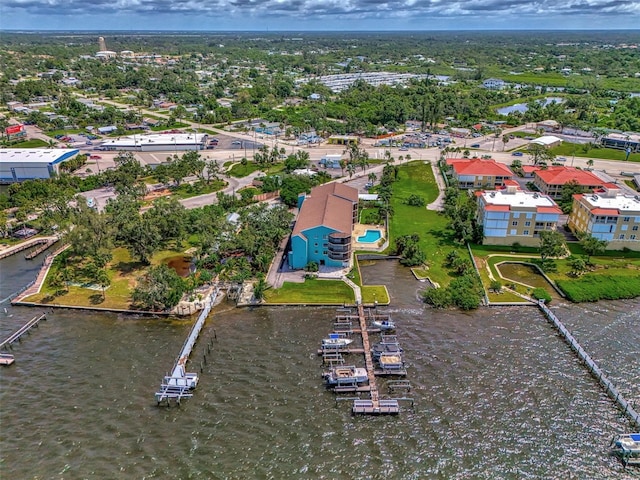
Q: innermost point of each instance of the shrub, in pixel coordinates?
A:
(591, 288)
(541, 294)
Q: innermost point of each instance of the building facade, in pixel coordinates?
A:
(510, 215)
(608, 215)
(551, 180)
(20, 164)
(322, 232)
(475, 173)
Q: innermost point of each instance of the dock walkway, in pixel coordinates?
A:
(180, 383)
(591, 365)
(15, 336)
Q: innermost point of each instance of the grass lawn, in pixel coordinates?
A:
(123, 272)
(187, 190)
(417, 178)
(238, 170)
(312, 291)
(375, 293)
(571, 149)
(33, 143)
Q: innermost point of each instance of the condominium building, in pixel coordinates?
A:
(476, 173)
(551, 180)
(511, 215)
(608, 214)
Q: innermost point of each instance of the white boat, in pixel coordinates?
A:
(335, 341)
(384, 325)
(6, 359)
(627, 446)
(345, 375)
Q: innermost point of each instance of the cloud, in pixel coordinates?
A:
(298, 12)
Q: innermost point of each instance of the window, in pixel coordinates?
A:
(635, 228)
(621, 237)
(527, 224)
(632, 237)
(626, 219)
(526, 232)
(325, 252)
(514, 223)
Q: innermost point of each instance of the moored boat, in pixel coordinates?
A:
(390, 361)
(6, 359)
(343, 375)
(627, 447)
(384, 325)
(335, 341)
(381, 348)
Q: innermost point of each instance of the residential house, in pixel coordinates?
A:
(551, 180)
(476, 173)
(493, 84)
(608, 214)
(509, 215)
(322, 232)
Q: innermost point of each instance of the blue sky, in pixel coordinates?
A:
(300, 15)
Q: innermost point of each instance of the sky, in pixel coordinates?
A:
(319, 15)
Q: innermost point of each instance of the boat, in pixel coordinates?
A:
(384, 325)
(6, 359)
(627, 447)
(390, 361)
(380, 348)
(345, 375)
(335, 340)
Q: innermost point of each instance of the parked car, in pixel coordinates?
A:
(561, 159)
(236, 142)
(95, 157)
(517, 154)
(475, 145)
(403, 149)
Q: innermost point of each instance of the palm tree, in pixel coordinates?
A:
(351, 169)
(372, 177)
(102, 279)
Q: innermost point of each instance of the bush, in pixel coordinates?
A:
(416, 201)
(591, 288)
(541, 294)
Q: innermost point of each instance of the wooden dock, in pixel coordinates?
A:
(591, 365)
(15, 336)
(181, 383)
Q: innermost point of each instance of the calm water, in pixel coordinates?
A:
(498, 395)
(522, 107)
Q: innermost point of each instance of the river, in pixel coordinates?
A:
(497, 394)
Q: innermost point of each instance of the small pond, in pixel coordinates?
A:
(182, 264)
(522, 107)
(527, 274)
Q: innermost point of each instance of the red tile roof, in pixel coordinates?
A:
(549, 210)
(487, 168)
(529, 168)
(562, 175)
(605, 211)
(497, 208)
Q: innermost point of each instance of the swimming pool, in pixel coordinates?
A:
(370, 236)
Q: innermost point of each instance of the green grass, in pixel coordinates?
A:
(312, 291)
(33, 143)
(435, 240)
(571, 149)
(53, 133)
(591, 288)
(369, 216)
(187, 190)
(123, 272)
(375, 293)
(238, 170)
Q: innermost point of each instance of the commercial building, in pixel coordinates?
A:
(511, 215)
(19, 164)
(608, 215)
(171, 142)
(331, 160)
(322, 232)
(622, 141)
(551, 180)
(548, 141)
(475, 173)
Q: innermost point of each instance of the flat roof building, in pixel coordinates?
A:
(548, 141)
(157, 142)
(608, 215)
(511, 215)
(19, 164)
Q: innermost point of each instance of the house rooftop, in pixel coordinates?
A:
(330, 205)
(562, 175)
(475, 167)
